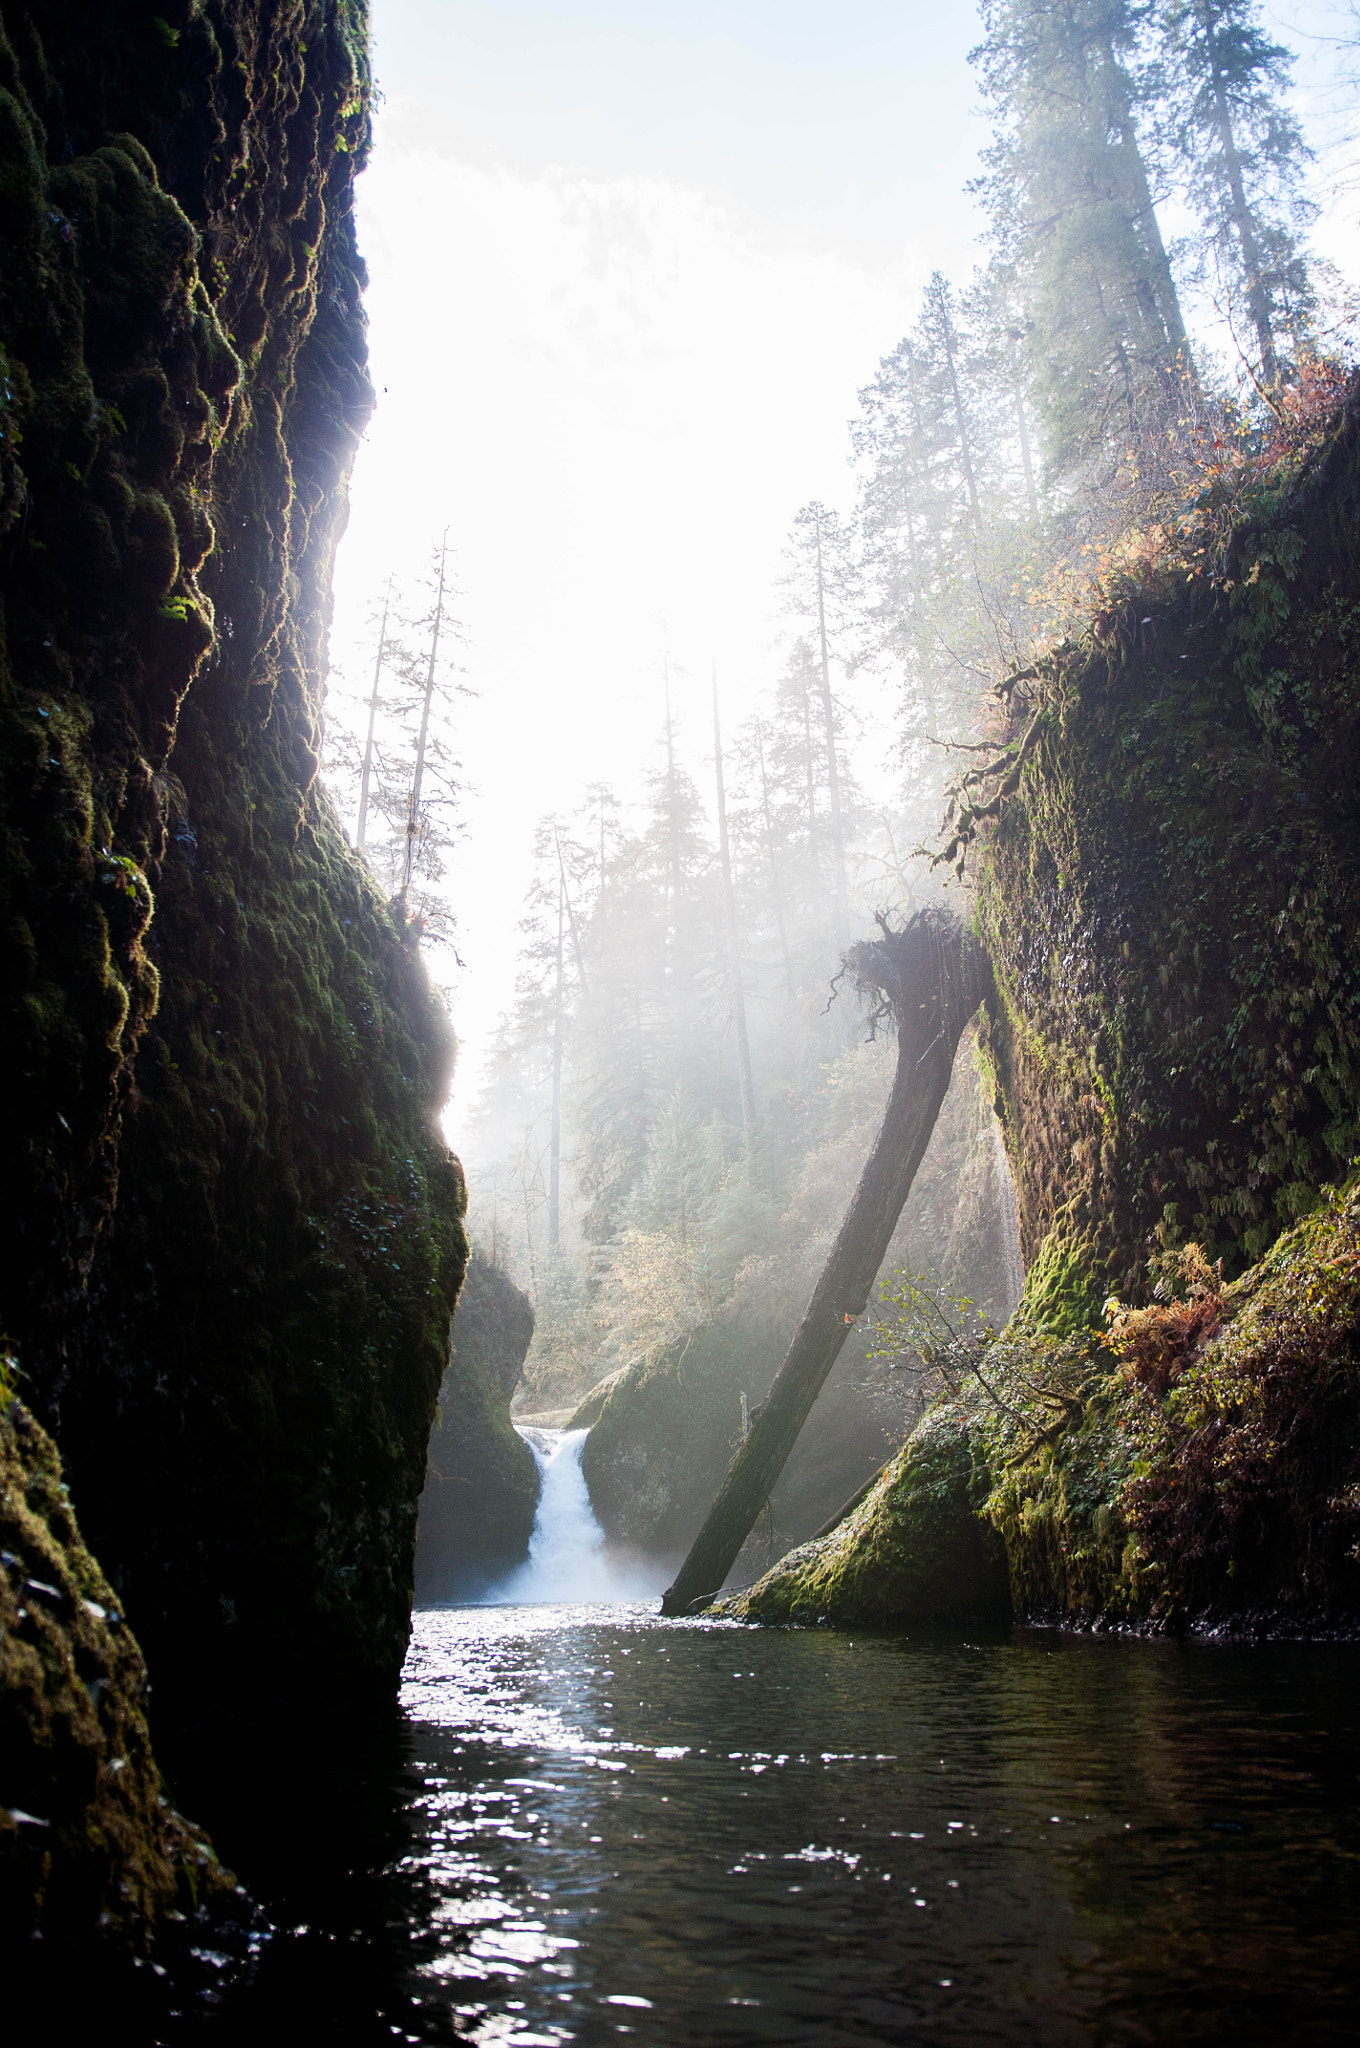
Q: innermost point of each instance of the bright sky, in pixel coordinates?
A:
(631, 263)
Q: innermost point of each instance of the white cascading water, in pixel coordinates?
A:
(567, 1559)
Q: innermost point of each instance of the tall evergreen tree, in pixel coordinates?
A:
(1240, 156)
(1069, 192)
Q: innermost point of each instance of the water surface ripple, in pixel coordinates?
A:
(694, 1832)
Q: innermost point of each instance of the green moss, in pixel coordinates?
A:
(1209, 1468)
(92, 1855)
(1195, 1464)
(1169, 898)
(240, 1232)
(1063, 1294)
(914, 1553)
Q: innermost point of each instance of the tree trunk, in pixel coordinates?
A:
(1258, 298)
(555, 1130)
(571, 914)
(776, 892)
(930, 978)
(833, 779)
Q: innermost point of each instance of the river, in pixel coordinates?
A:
(596, 1826)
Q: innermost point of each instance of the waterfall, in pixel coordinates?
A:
(567, 1559)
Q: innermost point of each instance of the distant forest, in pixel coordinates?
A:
(679, 1099)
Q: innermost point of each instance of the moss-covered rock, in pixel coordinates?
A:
(1192, 1465)
(1208, 1472)
(1171, 895)
(93, 1858)
(238, 1235)
(662, 1431)
(915, 1552)
(481, 1478)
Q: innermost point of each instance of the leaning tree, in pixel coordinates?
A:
(927, 980)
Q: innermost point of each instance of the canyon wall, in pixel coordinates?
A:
(236, 1233)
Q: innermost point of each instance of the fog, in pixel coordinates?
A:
(630, 266)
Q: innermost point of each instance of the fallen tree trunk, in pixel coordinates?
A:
(929, 979)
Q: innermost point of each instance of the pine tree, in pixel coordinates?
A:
(943, 349)
(737, 993)
(384, 651)
(412, 771)
(1240, 154)
(946, 473)
(1073, 216)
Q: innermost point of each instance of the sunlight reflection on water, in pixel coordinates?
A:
(696, 1832)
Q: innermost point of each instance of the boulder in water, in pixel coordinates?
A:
(915, 1552)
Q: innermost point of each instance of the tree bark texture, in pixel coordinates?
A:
(929, 978)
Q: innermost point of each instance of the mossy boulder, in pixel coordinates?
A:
(663, 1431)
(481, 1478)
(1207, 1472)
(1194, 1464)
(914, 1553)
(94, 1861)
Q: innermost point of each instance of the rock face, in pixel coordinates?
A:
(1208, 1473)
(94, 1861)
(1171, 898)
(481, 1479)
(238, 1234)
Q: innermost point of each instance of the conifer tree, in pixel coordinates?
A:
(410, 769)
(737, 993)
(383, 653)
(1070, 197)
(1240, 156)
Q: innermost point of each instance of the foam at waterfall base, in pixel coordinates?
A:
(568, 1560)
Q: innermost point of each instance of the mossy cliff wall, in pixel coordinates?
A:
(1171, 900)
(238, 1235)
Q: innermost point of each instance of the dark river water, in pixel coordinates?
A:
(598, 1827)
